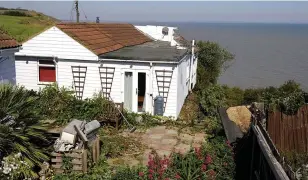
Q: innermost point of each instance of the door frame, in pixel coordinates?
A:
(135, 87)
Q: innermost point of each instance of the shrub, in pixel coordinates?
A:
(61, 104)
(252, 95)
(15, 13)
(124, 173)
(57, 103)
(222, 156)
(212, 60)
(20, 130)
(211, 98)
(234, 96)
(15, 167)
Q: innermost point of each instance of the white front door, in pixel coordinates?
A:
(136, 90)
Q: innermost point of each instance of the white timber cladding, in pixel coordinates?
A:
(54, 42)
(194, 70)
(7, 68)
(27, 73)
(91, 83)
(117, 90)
(183, 83)
(155, 32)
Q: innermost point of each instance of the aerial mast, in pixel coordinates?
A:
(77, 11)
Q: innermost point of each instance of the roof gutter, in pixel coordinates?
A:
(151, 62)
(16, 49)
(134, 60)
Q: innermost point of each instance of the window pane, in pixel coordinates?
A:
(47, 74)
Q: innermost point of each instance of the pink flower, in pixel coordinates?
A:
(203, 167)
(150, 176)
(212, 173)
(208, 160)
(141, 174)
(177, 176)
(166, 178)
(151, 171)
(225, 164)
(228, 143)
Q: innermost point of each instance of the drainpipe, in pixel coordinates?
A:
(191, 64)
(151, 87)
(56, 65)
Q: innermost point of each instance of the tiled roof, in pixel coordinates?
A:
(7, 42)
(102, 38)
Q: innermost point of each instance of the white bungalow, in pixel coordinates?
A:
(128, 64)
(8, 47)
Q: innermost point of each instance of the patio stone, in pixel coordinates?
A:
(186, 138)
(162, 153)
(182, 148)
(168, 141)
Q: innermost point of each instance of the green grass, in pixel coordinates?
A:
(23, 28)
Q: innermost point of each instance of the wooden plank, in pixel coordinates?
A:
(98, 148)
(56, 166)
(279, 130)
(84, 162)
(77, 162)
(59, 171)
(56, 160)
(74, 155)
(77, 168)
(56, 154)
(94, 153)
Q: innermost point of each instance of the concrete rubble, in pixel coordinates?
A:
(76, 135)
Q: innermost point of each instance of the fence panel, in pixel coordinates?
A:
(289, 132)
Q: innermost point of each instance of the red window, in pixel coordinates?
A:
(47, 74)
(47, 71)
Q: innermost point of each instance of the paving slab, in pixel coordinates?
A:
(169, 141)
(182, 148)
(186, 138)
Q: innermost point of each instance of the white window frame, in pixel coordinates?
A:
(46, 65)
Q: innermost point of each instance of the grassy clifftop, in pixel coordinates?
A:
(23, 24)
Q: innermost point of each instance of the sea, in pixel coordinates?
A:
(265, 54)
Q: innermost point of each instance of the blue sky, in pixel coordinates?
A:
(162, 11)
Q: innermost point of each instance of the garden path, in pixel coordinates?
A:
(164, 140)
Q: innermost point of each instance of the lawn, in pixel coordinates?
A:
(23, 28)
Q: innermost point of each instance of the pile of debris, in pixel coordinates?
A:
(77, 135)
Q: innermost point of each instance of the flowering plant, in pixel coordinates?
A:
(15, 167)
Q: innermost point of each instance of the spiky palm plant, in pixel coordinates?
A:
(20, 130)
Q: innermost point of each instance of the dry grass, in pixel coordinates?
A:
(241, 116)
(190, 108)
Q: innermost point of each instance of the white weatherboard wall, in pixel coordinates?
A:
(156, 33)
(7, 68)
(117, 91)
(183, 83)
(54, 42)
(194, 70)
(27, 75)
(92, 82)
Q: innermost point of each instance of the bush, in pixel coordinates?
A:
(16, 13)
(252, 95)
(20, 129)
(212, 60)
(211, 98)
(57, 103)
(61, 105)
(124, 173)
(234, 96)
